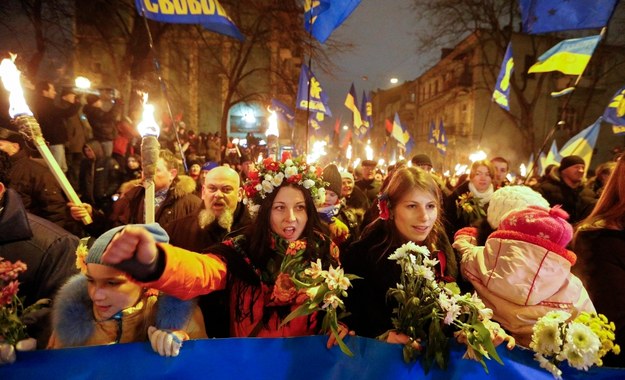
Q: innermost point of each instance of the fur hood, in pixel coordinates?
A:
(73, 321)
(183, 185)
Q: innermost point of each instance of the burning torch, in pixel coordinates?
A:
(29, 127)
(150, 147)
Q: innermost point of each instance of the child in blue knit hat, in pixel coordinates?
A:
(102, 306)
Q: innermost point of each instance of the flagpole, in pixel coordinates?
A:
(569, 93)
(157, 66)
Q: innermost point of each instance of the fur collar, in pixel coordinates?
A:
(73, 320)
(182, 185)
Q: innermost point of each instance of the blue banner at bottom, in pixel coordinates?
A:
(267, 358)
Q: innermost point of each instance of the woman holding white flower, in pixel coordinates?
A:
(410, 211)
(259, 266)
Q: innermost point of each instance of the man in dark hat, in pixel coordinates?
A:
(368, 183)
(422, 161)
(565, 186)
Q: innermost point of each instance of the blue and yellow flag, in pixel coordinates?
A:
(321, 17)
(352, 104)
(431, 133)
(583, 143)
(569, 56)
(501, 95)
(310, 95)
(544, 16)
(283, 111)
(366, 112)
(208, 13)
(615, 111)
(398, 132)
(441, 141)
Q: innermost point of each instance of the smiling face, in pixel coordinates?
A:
(347, 187)
(288, 213)
(415, 214)
(110, 291)
(481, 178)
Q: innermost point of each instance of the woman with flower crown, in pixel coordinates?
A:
(258, 266)
(410, 211)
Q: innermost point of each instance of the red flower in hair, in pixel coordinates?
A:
(271, 165)
(383, 206)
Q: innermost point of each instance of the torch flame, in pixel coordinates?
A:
(82, 82)
(273, 124)
(11, 80)
(148, 125)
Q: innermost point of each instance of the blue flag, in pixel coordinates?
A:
(309, 85)
(615, 111)
(501, 95)
(544, 16)
(284, 112)
(321, 17)
(209, 13)
(441, 142)
(366, 112)
(431, 132)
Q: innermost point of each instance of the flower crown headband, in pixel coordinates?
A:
(271, 174)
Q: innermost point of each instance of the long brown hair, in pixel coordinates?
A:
(610, 208)
(404, 180)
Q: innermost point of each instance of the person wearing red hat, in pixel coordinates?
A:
(524, 269)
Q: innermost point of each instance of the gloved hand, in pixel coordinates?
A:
(468, 234)
(338, 230)
(166, 342)
(7, 351)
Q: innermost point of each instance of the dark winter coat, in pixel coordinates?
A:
(179, 202)
(48, 251)
(99, 178)
(601, 267)
(41, 194)
(371, 310)
(102, 122)
(52, 119)
(577, 202)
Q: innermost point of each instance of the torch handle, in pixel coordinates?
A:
(29, 126)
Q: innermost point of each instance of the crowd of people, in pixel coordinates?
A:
(213, 264)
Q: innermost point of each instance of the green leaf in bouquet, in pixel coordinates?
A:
(335, 331)
(301, 311)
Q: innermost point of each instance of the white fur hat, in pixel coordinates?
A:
(510, 198)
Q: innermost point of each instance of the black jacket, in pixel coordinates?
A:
(578, 202)
(52, 119)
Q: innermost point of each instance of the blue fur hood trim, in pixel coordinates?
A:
(173, 313)
(72, 315)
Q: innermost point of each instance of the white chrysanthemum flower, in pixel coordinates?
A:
(398, 255)
(288, 163)
(308, 183)
(424, 271)
(546, 338)
(268, 177)
(559, 316)
(277, 179)
(444, 300)
(290, 171)
(575, 357)
(267, 186)
(583, 338)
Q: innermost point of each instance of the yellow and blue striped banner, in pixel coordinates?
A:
(569, 56)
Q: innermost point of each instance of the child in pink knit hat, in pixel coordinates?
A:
(524, 269)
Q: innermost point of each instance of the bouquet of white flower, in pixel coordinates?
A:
(432, 312)
(581, 342)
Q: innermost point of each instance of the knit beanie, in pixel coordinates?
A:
(569, 161)
(331, 175)
(347, 175)
(547, 228)
(99, 246)
(510, 198)
(208, 165)
(421, 159)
